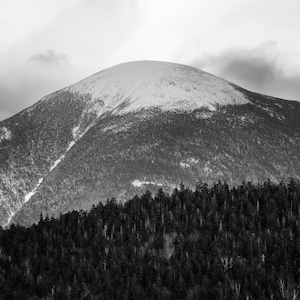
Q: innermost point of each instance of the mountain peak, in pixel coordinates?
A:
(96, 139)
(153, 84)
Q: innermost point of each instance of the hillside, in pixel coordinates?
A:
(212, 243)
(139, 126)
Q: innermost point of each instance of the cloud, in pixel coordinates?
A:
(86, 36)
(260, 69)
(83, 38)
(19, 19)
(50, 58)
(26, 83)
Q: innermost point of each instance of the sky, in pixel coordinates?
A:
(46, 45)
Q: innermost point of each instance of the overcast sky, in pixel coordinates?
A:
(49, 44)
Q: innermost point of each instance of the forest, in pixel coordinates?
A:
(213, 242)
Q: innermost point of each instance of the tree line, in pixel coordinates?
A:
(214, 242)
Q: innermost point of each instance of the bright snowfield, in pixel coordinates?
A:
(147, 84)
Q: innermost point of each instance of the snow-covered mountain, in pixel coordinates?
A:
(136, 126)
(134, 86)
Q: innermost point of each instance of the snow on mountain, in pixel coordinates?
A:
(140, 183)
(5, 134)
(145, 84)
(137, 126)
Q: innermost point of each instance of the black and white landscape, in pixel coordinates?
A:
(137, 126)
(172, 172)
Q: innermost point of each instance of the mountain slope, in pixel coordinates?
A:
(136, 126)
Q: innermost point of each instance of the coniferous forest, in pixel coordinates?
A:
(209, 243)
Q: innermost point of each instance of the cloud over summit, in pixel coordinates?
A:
(50, 58)
(46, 45)
(255, 69)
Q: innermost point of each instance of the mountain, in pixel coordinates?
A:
(137, 126)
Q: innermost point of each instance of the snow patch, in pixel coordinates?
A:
(184, 165)
(207, 170)
(187, 163)
(115, 128)
(273, 113)
(5, 134)
(71, 144)
(278, 105)
(192, 160)
(139, 183)
(74, 131)
(31, 193)
(204, 115)
(78, 134)
(140, 85)
(56, 163)
(111, 127)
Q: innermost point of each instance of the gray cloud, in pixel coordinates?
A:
(254, 69)
(50, 58)
(25, 85)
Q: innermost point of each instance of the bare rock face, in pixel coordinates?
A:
(138, 126)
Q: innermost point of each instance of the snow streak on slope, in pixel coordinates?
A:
(76, 135)
(140, 85)
(30, 194)
(62, 156)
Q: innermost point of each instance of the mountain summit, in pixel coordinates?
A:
(140, 85)
(137, 126)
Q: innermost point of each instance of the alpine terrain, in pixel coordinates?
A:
(138, 126)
